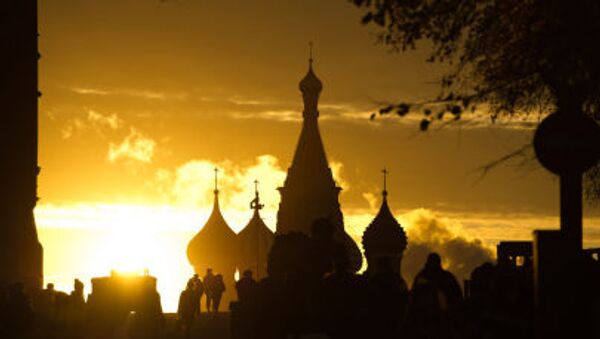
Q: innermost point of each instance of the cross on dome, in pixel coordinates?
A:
(385, 174)
(255, 204)
(216, 180)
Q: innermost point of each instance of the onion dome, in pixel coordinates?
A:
(384, 237)
(215, 244)
(310, 83)
(311, 87)
(255, 241)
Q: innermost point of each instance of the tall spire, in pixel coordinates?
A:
(309, 191)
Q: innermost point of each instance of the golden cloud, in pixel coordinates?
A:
(135, 147)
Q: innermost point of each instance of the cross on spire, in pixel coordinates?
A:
(255, 204)
(310, 55)
(216, 180)
(385, 173)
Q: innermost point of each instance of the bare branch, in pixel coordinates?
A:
(491, 165)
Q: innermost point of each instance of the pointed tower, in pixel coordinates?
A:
(214, 246)
(254, 241)
(309, 191)
(384, 240)
(20, 250)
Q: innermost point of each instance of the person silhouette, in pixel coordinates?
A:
(343, 300)
(436, 302)
(387, 300)
(76, 310)
(218, 289)
(76, 297)
(45, 307)
(187, 308)
(440, 279)
(246, 288)
(198, 291)
(208, 288)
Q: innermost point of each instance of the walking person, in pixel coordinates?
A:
(198, 291)
(187, 309)
(209, 280)
(217, 292)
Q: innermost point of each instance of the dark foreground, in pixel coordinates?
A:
(206, 327)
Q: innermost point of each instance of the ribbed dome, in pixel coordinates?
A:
(310, 83)
(215, 244)
(384, 236)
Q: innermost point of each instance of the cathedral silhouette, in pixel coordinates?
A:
(309, 193)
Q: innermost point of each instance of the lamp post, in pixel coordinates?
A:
(567, 144)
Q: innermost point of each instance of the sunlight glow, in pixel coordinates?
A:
(85, 241)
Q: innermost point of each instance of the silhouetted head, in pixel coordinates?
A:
(209, 271)
(434, 261)
(322, 229)
(195, 275)
(50, 287)
(219, 277)
(247, 274)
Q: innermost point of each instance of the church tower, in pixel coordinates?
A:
(20, 250)
(309, 191)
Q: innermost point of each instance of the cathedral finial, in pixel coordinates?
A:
(311, 87)
(255, 204)
(385, 173)
(216, 180)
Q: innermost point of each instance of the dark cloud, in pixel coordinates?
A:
(428, 233)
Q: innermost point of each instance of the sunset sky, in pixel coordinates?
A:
(142, 99)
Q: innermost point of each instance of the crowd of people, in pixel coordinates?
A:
(54, 313)
(309, 291)
(211, 286)
(341, 304)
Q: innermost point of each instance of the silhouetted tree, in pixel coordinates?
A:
(511, 56)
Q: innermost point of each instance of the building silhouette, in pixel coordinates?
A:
(215, 246)
(20, 250)
(309, 191)
(384, 240)
(255, 241)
